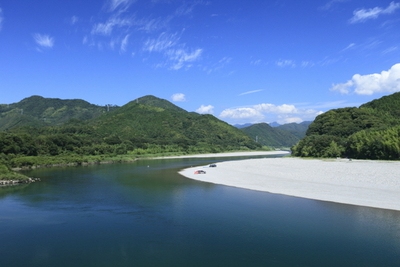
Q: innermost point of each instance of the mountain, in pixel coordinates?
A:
(297, 129)
(153, 120)
(147, 125)
(274, 124)
(267, 135)
(371, 131)
(39, 111)
(240, 126)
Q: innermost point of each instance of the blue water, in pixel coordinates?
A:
(145, 214)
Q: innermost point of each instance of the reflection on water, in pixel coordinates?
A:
(146, 214)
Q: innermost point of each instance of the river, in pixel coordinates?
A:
(146, 214)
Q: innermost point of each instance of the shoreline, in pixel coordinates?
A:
(356, 182)
(229, 154)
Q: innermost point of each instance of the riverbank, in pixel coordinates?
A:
(357, 182)
(231, 154)
(17, 182)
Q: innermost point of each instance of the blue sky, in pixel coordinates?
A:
(242, 61)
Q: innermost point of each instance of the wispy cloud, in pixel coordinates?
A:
(162, 43)
(286, 63)
(177, 54)
(331, 3)
(361, 15)
(1, 18)
(179, 97)
(390, 50)
(183, 58)
(386, 81)
(250, 92)
(74, 20)
(120, 5)
(209, 109)
(43, 40)
(348, 47)
(118, 24)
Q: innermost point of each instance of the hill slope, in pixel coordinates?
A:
(267, 135)
(148, 125)
(371, 131)
(40, 111)
(153, 120)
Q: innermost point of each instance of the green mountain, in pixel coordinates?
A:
(267, 135)
(297, 129)
(157, 121)
(39, 111)
(147, 125)
(371, 131)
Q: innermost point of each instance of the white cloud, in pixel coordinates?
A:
(74, 20)
(162, 43)
(386, 81)
(180, 57)
(331, 3)
(242, 113)
(361, 15)
(43, 40)
(1, 18)
(266, 112)
(124, 43)
(118, 4)
(285, 63)
(250, 92)
(179, 97)
(209, 109)
(107, 27)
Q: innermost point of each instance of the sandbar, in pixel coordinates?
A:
(357, 182)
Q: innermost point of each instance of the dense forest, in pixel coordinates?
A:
(282, 136)
(54, 131)
(371, 131)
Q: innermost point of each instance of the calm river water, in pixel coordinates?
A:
(146, 214)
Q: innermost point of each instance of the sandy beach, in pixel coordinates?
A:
(357, 182)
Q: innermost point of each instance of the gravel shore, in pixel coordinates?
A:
(358, 182)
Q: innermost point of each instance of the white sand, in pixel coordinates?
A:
(358, 182)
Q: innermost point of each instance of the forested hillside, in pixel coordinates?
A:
(267, 135)
(371, 131)
(145, 126)
(39, 111)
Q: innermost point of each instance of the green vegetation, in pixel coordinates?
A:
(148, 126)
(7, 174)
(278, 137)
(371, 131)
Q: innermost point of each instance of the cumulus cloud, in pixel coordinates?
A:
(43, 40)
(179, 97)
(242, 113)
(361, 15)
(386, 81)
(209, 109)
(266, 112)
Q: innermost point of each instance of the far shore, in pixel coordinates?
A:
(230, 154)
(357, 182)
